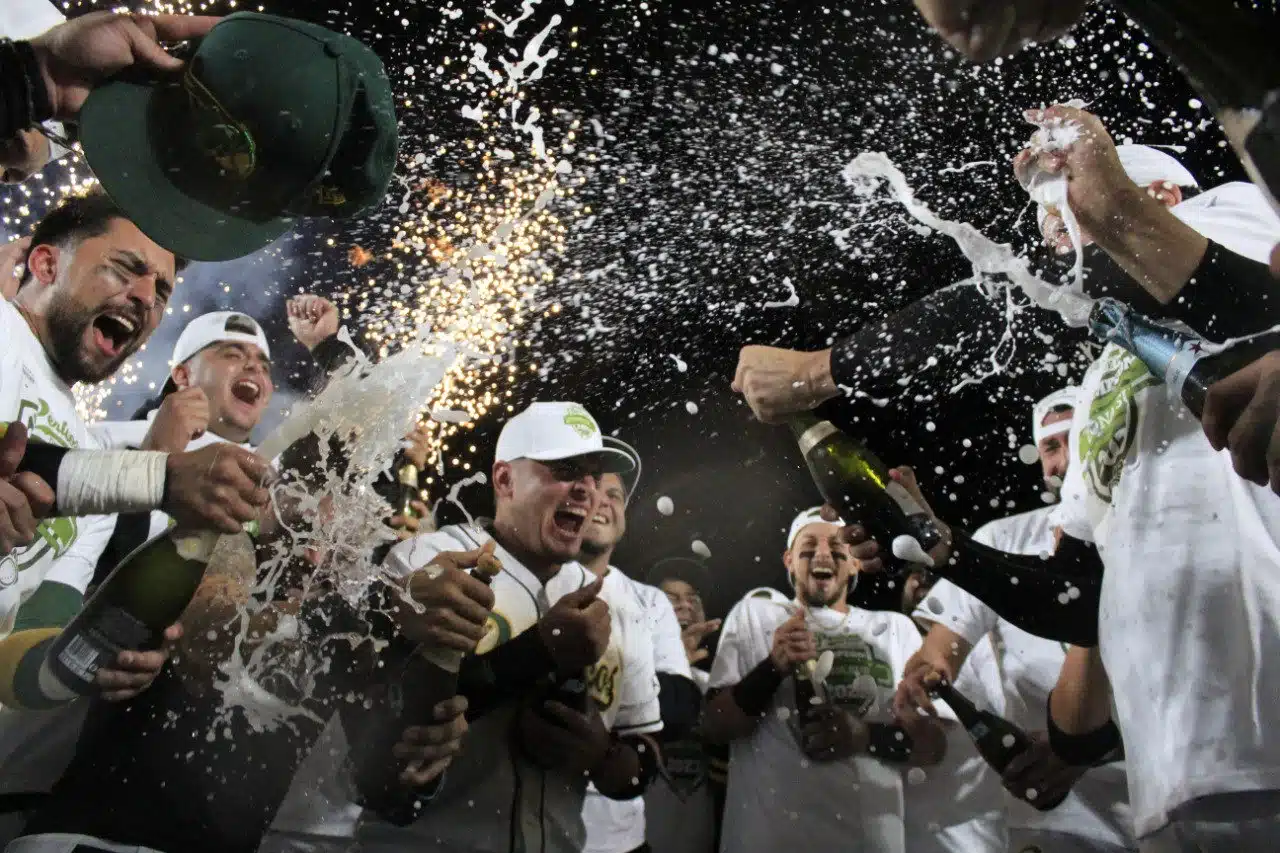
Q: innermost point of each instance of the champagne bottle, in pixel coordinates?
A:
(1229, 55)
(1184, 361)
(143, 595)
(998, 740)
(376, 770)
(409, 491)
(857, 484)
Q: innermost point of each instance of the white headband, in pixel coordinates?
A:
(1068, 396)
(804, 519)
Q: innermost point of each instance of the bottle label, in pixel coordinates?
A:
(903, 499)
(1182, 363)
(99, 641)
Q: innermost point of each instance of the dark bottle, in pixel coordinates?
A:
(998, 740)
(1229, 55)
(851, 479)
(145, 594)
(1184, 361)
(376, 771)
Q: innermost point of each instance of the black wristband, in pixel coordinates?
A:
(1100, 746)
(889, 742)
(754, 692)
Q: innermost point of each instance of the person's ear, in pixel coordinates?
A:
(786, 561)
(181, 376)
(503, 480)
(1166, 192)
(42, 263)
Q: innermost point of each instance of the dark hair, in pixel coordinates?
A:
(78, 218)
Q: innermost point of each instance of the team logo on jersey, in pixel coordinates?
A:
(1112, 427)
(497, 630)
(53, 535)
(858, 675)
(686, 766)
(602, 678)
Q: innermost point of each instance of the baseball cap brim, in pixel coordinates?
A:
(120, 125)
(630, 478)
(614, 461)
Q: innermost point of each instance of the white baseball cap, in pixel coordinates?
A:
(215, 328)
(630, 479)
(546, 432)
(1069, 396)
(804, 519)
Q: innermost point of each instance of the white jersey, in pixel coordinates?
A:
(618, 826)
(490, 779)
(1097, 807)
(1189, 622)
(777, 798)
(66, 549)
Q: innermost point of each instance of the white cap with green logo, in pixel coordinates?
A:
(546, 432)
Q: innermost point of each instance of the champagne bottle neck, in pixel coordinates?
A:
(811, 433)
(1168, 354)
(964, 709)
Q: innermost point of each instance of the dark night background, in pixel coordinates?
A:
(732, 184)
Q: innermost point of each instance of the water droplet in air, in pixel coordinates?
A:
(1028, 454)
(666, 506)
(691, 407)
(700, 548)
(916, 776)
(1008, 741)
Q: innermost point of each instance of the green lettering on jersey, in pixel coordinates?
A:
(854, 658)
(1112, 428)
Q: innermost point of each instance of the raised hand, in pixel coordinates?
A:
(985, 29)
(312, 319)
(81, 53)
(24, 498)
(455, 605)
(218, 487)
(693, 636)
(12, 255)
(793, 643)
(183, 416)
(576, 628)
(780, 382)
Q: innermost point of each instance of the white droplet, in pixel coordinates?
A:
(1008, 741)
(879, 628)
(1048, 497)
(906, 547)
(1028, 454)
(555, 632)
(934, 605)
(1195, 103)
(1014, 580)
(666, 506)
(1063, 598)
(916, 776)
(691, 407)
(700, 548)
(1031, 794)
(1073, 592)
(783, 712)
(929, 426)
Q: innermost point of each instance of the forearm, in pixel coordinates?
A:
(734, 712)
(680, 701)
(944, 650)
(1228, 296)
(1155, 248)
(1081, 700)
(1032, 593)
(24, 97)
(98, 482)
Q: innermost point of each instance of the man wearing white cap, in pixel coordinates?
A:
(618, 826)
(827, 775)
(520, 783)
(1094, 818)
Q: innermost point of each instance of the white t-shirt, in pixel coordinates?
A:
(491, 790)
(618, 826)
(1097, 807)
(778, 799)
(1189, 621)
(66, 550)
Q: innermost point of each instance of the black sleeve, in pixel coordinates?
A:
(873, 360)
(329, 356)
(1055, 598)
(24, 100)
(1228, 296)
(681, 704)
(505, 673)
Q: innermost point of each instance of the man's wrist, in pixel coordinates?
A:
(819, 379)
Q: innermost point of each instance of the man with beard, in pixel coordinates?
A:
(827, 776)
(540, 735)
(1094, 817)
(682, 809)
(618, 826)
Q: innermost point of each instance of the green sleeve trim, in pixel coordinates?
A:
(52, 605)
(26, 681)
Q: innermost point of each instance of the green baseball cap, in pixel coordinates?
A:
(271, 120)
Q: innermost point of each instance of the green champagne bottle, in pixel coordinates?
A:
(409, 491)
(145, 594)
(851, 479)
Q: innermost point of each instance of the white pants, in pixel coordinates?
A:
(1261, 835)
(1048, 841)
(65, 842)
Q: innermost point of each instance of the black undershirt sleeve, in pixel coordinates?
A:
(681, 703)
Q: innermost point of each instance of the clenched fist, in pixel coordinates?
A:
(793, 644)
(780, 382)
(312, 319)
(183, 416)
(576, 628)
(455, 604)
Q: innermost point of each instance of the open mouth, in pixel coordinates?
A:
(114, 330)
(247, 391)
(569, 521)
(822, 574)
(599, 519)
